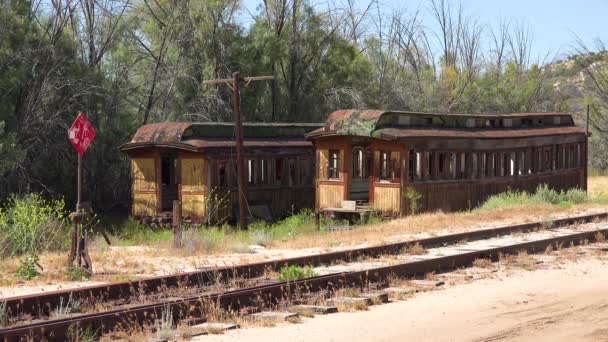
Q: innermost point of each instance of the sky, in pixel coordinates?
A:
(553, 23)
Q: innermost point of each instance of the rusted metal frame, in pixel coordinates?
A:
(274, 293)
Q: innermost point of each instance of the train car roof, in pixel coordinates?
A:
(199, 136)
(402, 124)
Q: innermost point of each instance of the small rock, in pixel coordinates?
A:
(350, 301)
(212, 327)
(400, 290)
(376, 297)
(315, 309)
(273, 316)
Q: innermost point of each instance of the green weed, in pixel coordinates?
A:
(295, 272)
(28, 268)
(543, 194)
(32, 225)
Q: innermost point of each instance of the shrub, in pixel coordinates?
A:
(294, 272)
(32, 225)
(412, 196)
(260, 237)
(28, 268)
(543, 194)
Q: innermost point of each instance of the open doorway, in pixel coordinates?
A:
(359, 185)
(169, 181)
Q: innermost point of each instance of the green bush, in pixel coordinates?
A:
(28, 268)
(31, 225)
(543, 194)
(294, 272)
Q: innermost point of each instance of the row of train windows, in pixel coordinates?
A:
(433, 165)
(268, 171)
(386, 166)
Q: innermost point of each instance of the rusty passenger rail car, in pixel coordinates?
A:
(195, 164)
(359, 161)
(385, 160)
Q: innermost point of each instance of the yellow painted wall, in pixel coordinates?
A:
(144, 186)
(144, 204)
(193, 179)
(386, 199)
(330, 196)
(144, 174)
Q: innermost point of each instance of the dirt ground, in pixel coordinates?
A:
(133, 262)
(567, 302)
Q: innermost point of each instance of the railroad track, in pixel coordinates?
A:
(194, 306)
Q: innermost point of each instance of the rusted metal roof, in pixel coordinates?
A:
(503, 133)
(198, 136)
(214, 143)
(367, 122)
(162, 132)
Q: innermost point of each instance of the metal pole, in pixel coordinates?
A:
(79, 187)
(242, 186)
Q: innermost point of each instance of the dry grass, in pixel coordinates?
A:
(483, 263)
(416, 249)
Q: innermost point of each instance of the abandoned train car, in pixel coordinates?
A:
(195, 164)
(371, 159)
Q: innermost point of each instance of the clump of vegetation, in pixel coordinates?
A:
(415, 249)
(132, 232)
(28, 268)
(412, 197)
(164, 325)
(294, 272)
(76, 274)
(260, 237)
(32, 225)
(544, 194)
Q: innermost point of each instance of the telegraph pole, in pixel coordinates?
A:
(233, 83)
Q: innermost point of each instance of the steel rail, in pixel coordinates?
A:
(56, 330)
(33, 304)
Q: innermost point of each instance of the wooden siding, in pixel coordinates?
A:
(331, 195)
(144, 174)
(144, 204)
(143, 171)
(193, 180)
(387, 199)
(469, 194)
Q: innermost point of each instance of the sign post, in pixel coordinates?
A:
(81, 135)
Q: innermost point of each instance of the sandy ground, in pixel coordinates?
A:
(566, 303)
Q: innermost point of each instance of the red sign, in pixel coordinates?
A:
(81, 134)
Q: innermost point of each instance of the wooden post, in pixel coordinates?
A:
(177, 224)
(233, 83)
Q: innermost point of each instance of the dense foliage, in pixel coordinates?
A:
(130, 62)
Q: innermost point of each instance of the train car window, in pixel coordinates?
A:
(251, 171)
(395, 171)
(222, 174)
(412, 166)
(305, 171)
(418, 166)
(333, 170)
(441, 166)
(278, 171)
(359, 161)
(452, 165)
(384, 165)
(292, 171)
(263, 171)
(432, 171)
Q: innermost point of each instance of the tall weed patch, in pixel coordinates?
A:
(543, 195)
(32, 225)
